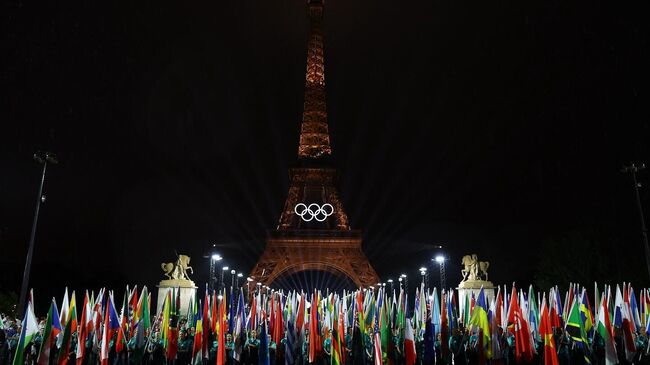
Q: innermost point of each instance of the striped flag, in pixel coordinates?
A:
(52, 329)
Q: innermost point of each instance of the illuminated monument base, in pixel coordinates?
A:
(187, 293)
(337, 252)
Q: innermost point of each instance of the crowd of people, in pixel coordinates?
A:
(368, 326)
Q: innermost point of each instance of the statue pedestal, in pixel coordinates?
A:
(187, 293)
(469, 287)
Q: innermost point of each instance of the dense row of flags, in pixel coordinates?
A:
(373, 316)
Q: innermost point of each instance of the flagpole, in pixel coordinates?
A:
(633, 169)
(43, 158)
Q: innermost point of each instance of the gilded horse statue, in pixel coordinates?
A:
(473, 269)
(178, 270)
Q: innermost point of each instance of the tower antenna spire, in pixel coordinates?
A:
(314, 136)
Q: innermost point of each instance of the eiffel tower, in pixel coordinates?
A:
(313, 232)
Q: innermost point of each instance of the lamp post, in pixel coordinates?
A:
(632, 169)
(425, 276)
(222, 284)
(406, 282)
(240, 275)
(390, 282)
(249, 280)
(214, 258)
(232, 279)
(440, 259)
(42, 158)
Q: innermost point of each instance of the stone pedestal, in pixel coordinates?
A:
(187, 293)
(466, 288)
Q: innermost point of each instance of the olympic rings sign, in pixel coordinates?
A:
(313, 211)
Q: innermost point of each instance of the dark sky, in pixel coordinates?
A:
(486, 127)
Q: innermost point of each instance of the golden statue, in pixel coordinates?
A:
(473, 269)
(178, 270)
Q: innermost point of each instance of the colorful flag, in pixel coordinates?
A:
(576, 330)
(111, 326)
(85, 329)
(51, 330)
(606, 332)
(70, 329)
(546, 332)
(409, 343)
(479, 319)
(27, 333)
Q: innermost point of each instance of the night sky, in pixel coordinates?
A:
(487, 127)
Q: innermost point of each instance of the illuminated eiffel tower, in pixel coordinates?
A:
(313, 232)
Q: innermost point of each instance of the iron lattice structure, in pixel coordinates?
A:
(296, 244)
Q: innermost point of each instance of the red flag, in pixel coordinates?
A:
(205, 323)
(444, 324)
(300, 319)
(550, 352)
(221, 345)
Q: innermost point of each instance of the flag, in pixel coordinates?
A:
(409, 343)
(585, 312)
(172, 328)
(85, 329)
(518, 325)
(206, 323)
(111, 326)
(239, 334)
(546, 332)
(52, 329)
(27, 333)
(221, 343)
(576, 330)
(65, 308)
(377, 335)
(606, 332)
(336, 352)
(263, 357)
(197, 346)
(142, 326)
(121, 338)
(70, 329)
(479, 319)
(444, 324)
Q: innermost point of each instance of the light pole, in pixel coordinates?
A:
(249, 280)
(240, 275)
(406, 282)
(222, 284)
(390, 282)
(425, 276)
(633, 169)
(214, 258)
(440, 259)
(42, 158)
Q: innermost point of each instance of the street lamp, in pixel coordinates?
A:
(240, 275)
(425, 276)
(440, 259)
(42, 158)
(214, 258)
(249, 280)
(406, 282)
(222, 284)
(232, 279)
(390, 282)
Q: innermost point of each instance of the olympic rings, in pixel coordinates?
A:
(313, 211)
